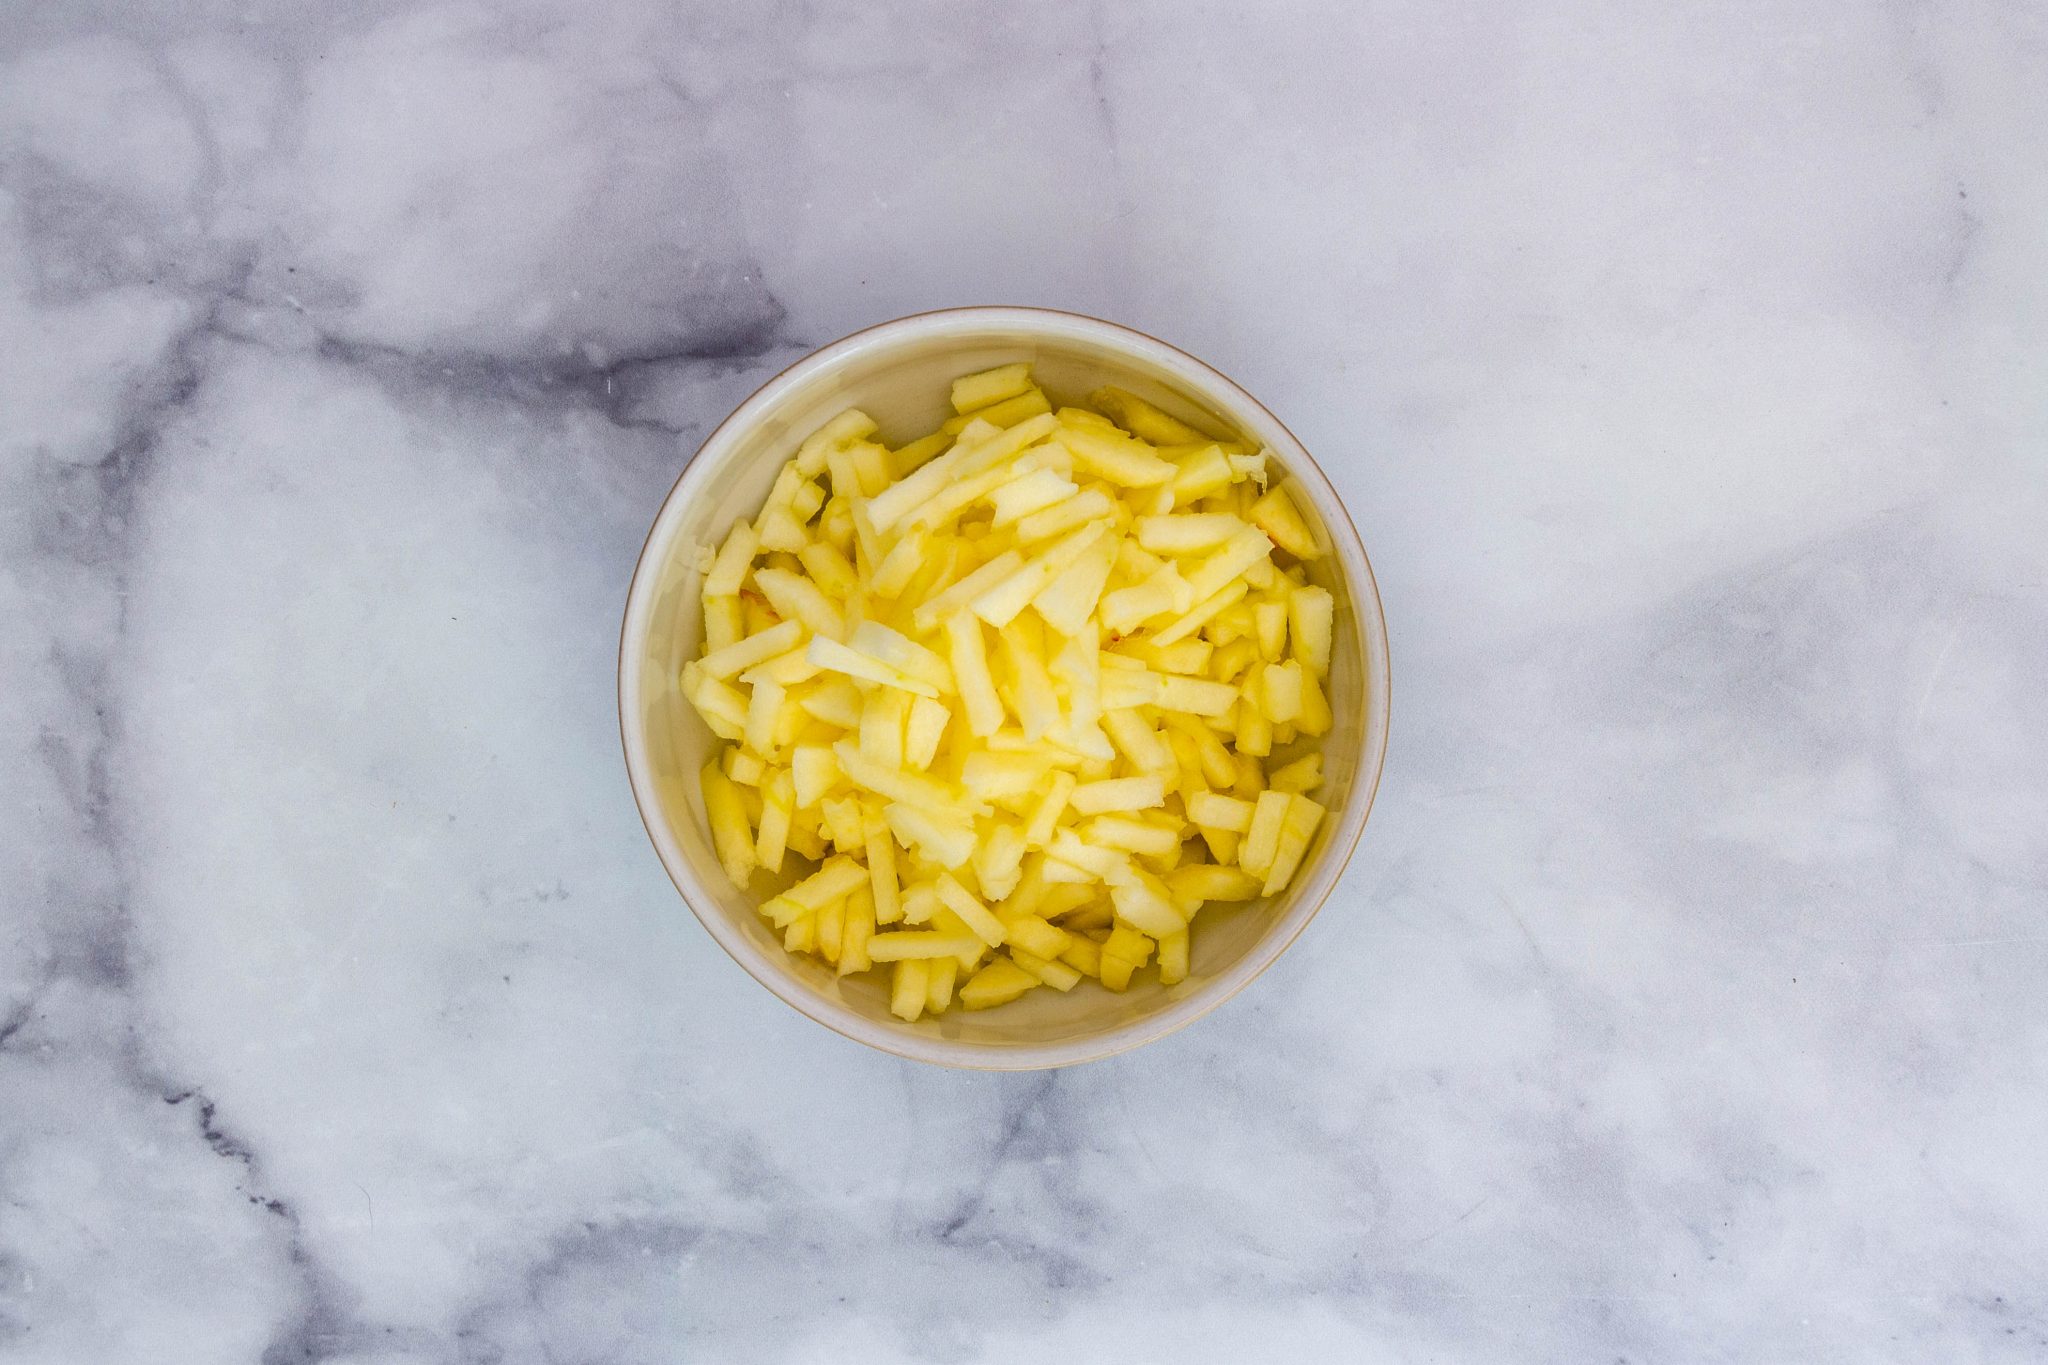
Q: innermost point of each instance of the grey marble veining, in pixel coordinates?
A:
(1682, 368)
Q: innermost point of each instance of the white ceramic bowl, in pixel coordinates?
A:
(899, 372)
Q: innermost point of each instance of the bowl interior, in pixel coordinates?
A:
(900, 374)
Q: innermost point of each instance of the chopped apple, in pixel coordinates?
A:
(1310, 612)
(1000, 982)
(907, 993)
(991, 386)
(979, 814)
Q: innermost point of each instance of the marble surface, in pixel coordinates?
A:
(1682, 365)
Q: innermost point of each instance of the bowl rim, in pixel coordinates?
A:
(955, 1053)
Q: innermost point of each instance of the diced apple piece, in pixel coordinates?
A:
(1079, 909)
(1132, 836)
(1173, 958)
(1023, 652)
(1083, 955)
(871, 465)
(1000, 982)
(996, 776)
(842, 819)
(952, 502)
(907, 991)
(923, 732)
(831, 924)
(998, 861)
(834, 702)
(1121, 460)
(804, 840)
(858, 931)
(727, 817)
(735, 557)
(752, 650)
(1276, 515)
(847, 427)
(1187, 657)
(1219, 768)
(948, 842)
(1211, 882)
(1119, 794)
(1229, 661)
(1145, 904)
(898, 568)
(1196, 696)
(1310, 617)
(1298, 827)
(908, 459)
(971, 675)
(1052, 972)
(763, 707)
(1201, 473)
(903, 497)
(920, 902)
(1223, 567)
(779, 528)
(990, 386)
(1137, 741)
(1200, 614)
(1009, 412)
(1000, 603)
(1034, 492)
(829, 569)
(1100, 864)
(1038, 831)
(1125, 609)
(1085, 419)
(1070, 598)
(976, 916)
(1123, 689)
(795, 597)
(724, 623)
(963, 592)
(1090, 504)
(896, 784)
(1255, 855)
(880, 848)
(1186, 533)
(1143, 419)
(835, 879)
(787, 669)
(1280, 691)
(1254, 731)
(800, 935)
(777, 805)
(830, 654)
(1035, 935)
(1269, 625)
(1125, 951)
(940, 973)
(814, 770)
(904, 945)
(742, 767)
(1302, 776)
(1315, 719)
(1219, 812)
(881, 726)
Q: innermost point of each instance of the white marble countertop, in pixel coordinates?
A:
(1682, 365)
